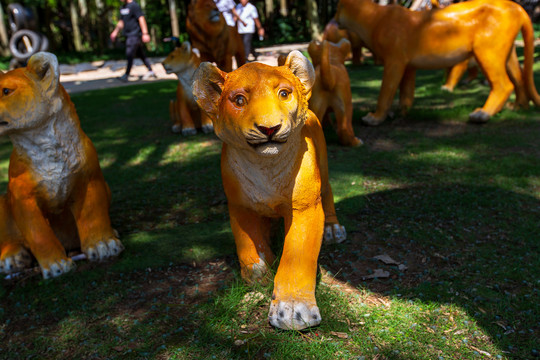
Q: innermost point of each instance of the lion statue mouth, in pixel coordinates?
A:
(264, 136)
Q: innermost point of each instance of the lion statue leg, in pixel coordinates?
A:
(175, 117)
(516, 77)
(184, 114)
(455, 73)
(13, 256)
(406, 90)
(206, 123)
(333, 231)
(392, 75)
(501, 86)
(293, 300)
(252, 238)
(90, 209)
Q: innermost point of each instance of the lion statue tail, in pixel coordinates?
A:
(528, 76)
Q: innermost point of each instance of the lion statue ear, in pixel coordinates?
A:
(208, 82)
(344, 47)
(302, 68)
(43, 66)
(186, 47)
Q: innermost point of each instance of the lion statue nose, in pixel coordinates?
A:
(269, 131)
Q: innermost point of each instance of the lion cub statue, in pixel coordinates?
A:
(184, 111)
(57, 198)
(208, 31)
(332, 88)
(273, 165)
(334, 34)
(408, 40)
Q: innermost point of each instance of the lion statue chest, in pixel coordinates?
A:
(56, 157)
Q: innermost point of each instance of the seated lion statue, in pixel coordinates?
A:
(57, 198)
(184, 111)
(273, 165)
(408, 40)
(208, 31)
(332, 88)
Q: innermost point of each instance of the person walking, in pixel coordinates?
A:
(135, 29)
(248, 19)
(227, 8)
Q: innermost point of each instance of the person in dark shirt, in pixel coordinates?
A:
(133, 23)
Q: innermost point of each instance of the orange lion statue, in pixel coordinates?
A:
(332, 88)
(184, 111)
(408, 40)
(273, 165)
(334, 34)
(209, 32)
(57, 198)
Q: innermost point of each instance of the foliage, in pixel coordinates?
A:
(457, 204)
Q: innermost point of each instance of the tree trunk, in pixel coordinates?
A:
(313, 17)
(174, 19)
(4, 41)
(283, 10)
(268, 8)
(75, 25)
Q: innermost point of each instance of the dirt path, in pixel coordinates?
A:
(103, 74)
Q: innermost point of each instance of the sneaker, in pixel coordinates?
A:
(123, 78)
(149, 75)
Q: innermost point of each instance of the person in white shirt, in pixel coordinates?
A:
(227, 8)
(248, 19)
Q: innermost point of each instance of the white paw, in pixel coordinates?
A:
(334, 234)
(104, 250)
(369, 119)
(293, 315)
(176, 128)
(208, 128)
(15, 263)
(58, 268)
(189, 131)
(479, 116)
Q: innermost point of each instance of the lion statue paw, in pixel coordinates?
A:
(57, 268)
(293, 315)
(371, 120)
(334, 234)
(357, 142)
(188, 131)
(479, 116)
(104, 250)
(208, 128)
(15, 262)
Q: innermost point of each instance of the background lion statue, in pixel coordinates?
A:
(332, 88)
(57, 198)
(184, 111)
(208, 31)
(273, 165)
(408, 40)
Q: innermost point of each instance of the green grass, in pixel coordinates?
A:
(458, 204)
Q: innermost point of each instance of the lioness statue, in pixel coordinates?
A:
(57, 198)
(332, 88)
(208, 31)
(273, 165)
(184, 111)
(408, 40)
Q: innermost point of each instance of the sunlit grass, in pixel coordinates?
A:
(457, 204)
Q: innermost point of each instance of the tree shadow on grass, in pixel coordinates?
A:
(459, 246)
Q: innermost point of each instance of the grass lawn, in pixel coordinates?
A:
(455, 205)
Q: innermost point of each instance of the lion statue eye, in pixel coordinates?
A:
(6, 91)
(283, 94)
(240, 100)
